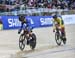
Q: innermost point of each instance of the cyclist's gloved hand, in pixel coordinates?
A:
(19, 31)
(53, 30)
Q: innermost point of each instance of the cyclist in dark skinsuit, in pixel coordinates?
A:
(25, 25)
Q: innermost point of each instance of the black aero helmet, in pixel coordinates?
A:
(55, 16)
(21, 17)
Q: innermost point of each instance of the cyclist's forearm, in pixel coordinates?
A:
(21, 27)
(53, 25)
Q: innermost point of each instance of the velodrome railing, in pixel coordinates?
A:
(39, 11)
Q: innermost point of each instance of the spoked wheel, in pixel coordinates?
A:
(58, 38)
(22, 42)
(33, 41)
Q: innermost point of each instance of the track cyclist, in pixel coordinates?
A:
(59, 23)
(25, 26)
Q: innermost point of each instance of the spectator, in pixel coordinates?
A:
(1, 24)
(31, 3)
(52, 4)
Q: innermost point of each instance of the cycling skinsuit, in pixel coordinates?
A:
(26, 25)
(59, 21)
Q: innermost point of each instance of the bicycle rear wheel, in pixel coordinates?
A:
(33, 41)
(64, 40)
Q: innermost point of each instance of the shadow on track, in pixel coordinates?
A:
(20, 54)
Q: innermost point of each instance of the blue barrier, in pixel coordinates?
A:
(12, 22)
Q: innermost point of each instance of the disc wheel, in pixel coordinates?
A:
(33, 41)
(64, 40)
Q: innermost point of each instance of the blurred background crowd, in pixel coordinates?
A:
(12, 5)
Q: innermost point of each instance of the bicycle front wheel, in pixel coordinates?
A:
(21, 42)
(58, 38)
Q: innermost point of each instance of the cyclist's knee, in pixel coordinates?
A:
(62, 29)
